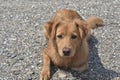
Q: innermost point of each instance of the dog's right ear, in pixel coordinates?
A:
(48, 29)
(82, 27)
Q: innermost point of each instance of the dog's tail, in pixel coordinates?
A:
(94, 22)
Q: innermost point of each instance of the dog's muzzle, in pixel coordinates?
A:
(66, 51)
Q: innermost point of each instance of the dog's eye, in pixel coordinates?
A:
(73, 36)
(60, 36)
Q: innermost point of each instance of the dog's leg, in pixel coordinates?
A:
(90, 31)
(45, 73)
(93, 22)
(81, 68)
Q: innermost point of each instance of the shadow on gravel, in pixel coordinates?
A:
(96, 69)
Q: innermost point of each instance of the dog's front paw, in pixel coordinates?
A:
(45, 75)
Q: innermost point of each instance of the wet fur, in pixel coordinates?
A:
(67, 22)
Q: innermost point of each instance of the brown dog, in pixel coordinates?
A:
(67, 35)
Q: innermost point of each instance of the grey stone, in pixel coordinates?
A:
(16, 72)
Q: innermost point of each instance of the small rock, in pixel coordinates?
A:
(17, 72)
(30, 72)
(11, 55)
(29, 78)
(21, 58)
(62, 75)
(32, 66)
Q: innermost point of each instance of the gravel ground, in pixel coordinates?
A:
(22, 40)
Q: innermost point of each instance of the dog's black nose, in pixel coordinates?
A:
(66, 51)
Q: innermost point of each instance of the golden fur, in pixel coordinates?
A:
(67, 34)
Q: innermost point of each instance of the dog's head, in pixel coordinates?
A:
(67, 36)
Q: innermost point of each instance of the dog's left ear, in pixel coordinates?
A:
(48, 29)
(82, 27)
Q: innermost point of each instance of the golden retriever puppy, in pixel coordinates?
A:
(67, 35)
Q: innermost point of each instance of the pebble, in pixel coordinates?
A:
(32, 66)
(30, 72)
(30, 78)
(11, 55)
(17, 72)
(62, 75)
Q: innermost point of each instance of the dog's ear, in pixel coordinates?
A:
(50, 29)
(54, 28)
(82, 27)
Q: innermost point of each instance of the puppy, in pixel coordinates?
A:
(67, 35)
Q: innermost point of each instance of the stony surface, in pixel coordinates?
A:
(22, 40)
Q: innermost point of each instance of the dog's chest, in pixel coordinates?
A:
(62, 62)
(65, 62)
